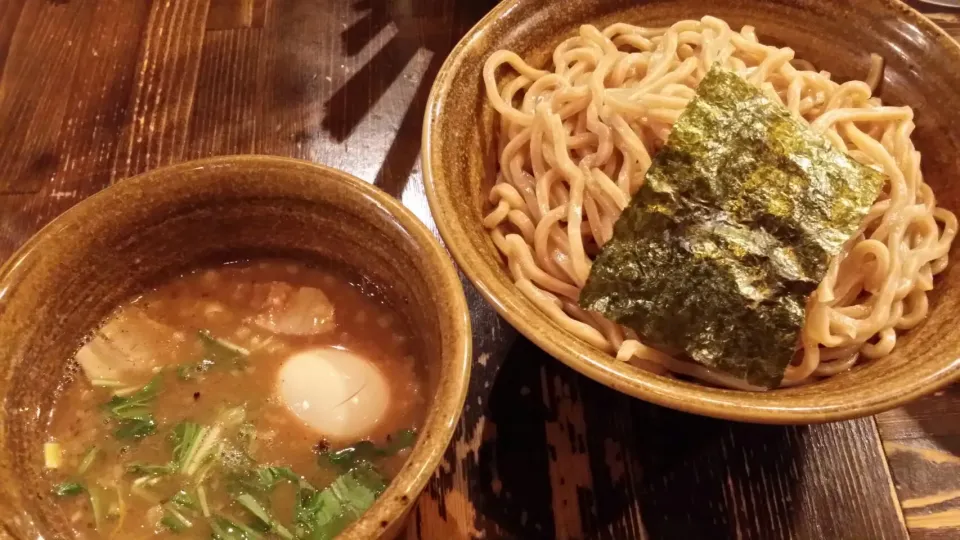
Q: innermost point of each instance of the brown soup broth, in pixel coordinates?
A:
(218, 301)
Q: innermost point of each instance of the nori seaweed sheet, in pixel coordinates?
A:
(731, 232)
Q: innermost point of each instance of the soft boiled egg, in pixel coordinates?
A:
(340, 394)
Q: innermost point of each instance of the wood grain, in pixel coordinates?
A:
(225, 113)
(162, 99)
(43, 53)
(922, 442)
(540, 451)
(99, 87)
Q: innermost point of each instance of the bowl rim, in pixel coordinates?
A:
(690, 397)
(440, 422)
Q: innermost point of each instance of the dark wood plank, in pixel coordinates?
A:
(922, 442)
(9, 16)
(43, 53)
(84, 151)
(695, 477)
(300, 65)
(225, 111)
(233, 14)
(98, 99)
(160, 106)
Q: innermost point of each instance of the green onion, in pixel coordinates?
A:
(184, 500)
(106, 383)
(176, 509)
(88, 458)
(148, 470)
(52, 455)
(174, 520)
(225, 529)
(138, 488)
(95, 494)
(253, 506)
(260, 480)
(361, 451)
(220, 349)
(134, 419)
(68, 489)
(185, 438)
(202, 497)
(326, 513)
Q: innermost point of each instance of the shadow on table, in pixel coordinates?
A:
(434, 26)
(573, 458)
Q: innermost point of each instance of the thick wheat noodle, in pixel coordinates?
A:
(575, 144)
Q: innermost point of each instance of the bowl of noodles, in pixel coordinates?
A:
(739, 209)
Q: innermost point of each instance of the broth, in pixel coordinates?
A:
(197, 361)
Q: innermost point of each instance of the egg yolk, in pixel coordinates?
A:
(341, 395)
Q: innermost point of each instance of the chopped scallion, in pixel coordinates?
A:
(68, 489)
(134, 419)
(225, 529)
(202, 498)
(88, 458)
(52, 455)
(254, 507)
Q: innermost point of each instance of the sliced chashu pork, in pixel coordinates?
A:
(128, 347)
(290, 310)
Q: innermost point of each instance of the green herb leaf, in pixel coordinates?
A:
(216, 352)
(219, 351)
(96, 496)
(401, 440)
(349, 457)
(185, 501)
(144, 469)
(176, 511)
(260, 480)
(132, 406)
(226, 529)
(252, 505)
(321, 515)
(184, 438)
(172, 523)
(68, 489)
(136, 428)
(88, 458)
(134, 418)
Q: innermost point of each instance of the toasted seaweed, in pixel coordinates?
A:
(733, 229)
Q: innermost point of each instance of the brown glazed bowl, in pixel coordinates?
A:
(922, 70)
(69, 276)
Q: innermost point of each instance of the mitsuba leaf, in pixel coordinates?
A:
(216, 352)
(132, 413)
(260, 480)
(360, 451)
(321, 515)
(734, 227)
(68, 489)
(227, 529)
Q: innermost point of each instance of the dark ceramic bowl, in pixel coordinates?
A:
(69, 276)
(922, 70)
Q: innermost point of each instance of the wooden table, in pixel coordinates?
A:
(94, 91)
